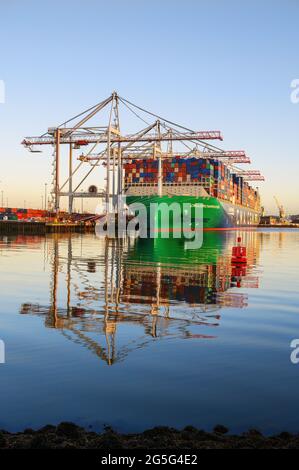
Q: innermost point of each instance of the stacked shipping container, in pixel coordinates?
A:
(176, 170)
(8, 213)
(222, 183)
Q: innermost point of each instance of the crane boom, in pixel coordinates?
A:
(96, 137)
(254, 178)
(143, 153)
(248, 172)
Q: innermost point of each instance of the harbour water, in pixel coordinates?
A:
(137, 333)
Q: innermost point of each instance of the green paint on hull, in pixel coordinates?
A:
(172, 251)
(216, 214)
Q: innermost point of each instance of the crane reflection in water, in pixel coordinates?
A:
(153, 288)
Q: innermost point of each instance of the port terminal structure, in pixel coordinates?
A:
(105, 145)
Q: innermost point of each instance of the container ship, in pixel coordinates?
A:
(228, 201)
(145, 167)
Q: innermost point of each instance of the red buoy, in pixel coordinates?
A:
(239, 254)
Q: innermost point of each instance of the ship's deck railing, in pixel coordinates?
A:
(200, 182)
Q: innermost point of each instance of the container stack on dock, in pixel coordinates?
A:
(37, 221)
(8, 213)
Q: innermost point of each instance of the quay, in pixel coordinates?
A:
(286, 225)
(40, 228)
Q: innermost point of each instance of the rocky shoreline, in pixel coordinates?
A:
(70, 436)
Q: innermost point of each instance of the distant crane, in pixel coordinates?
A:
(282, 214)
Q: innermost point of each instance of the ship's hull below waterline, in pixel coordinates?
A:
(216, 214)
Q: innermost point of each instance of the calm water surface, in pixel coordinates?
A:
(138, 333)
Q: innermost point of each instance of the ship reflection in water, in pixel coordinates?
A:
(193, 339)
(99, 286)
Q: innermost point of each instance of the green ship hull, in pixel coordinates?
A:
(216, 214)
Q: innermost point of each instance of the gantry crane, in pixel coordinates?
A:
(282, 214)
(113, 148)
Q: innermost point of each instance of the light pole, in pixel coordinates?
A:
(82, 202)
(46, 184)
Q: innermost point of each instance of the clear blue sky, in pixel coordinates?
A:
(222, 65)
